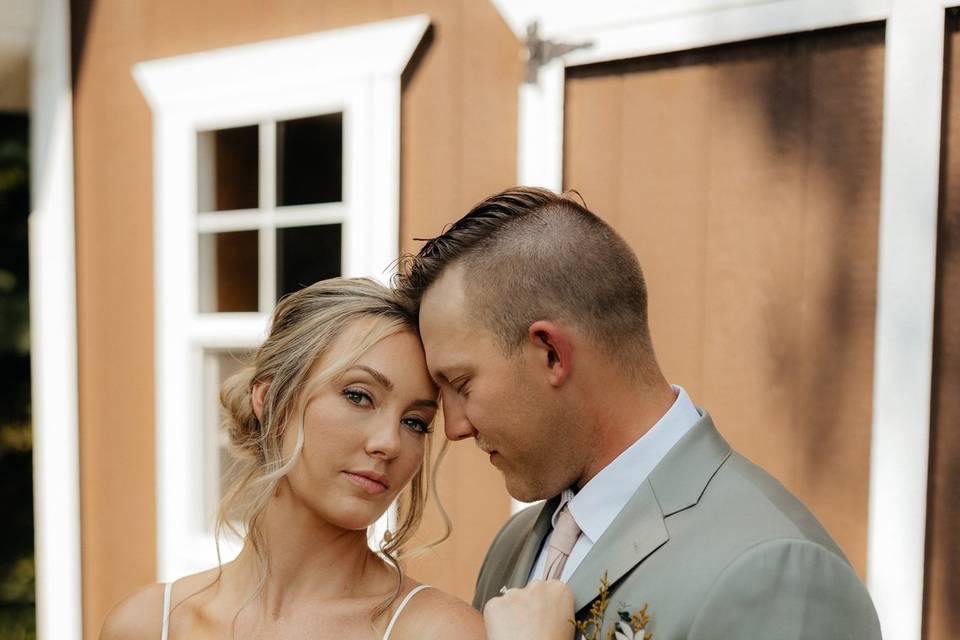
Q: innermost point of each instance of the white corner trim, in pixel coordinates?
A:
(906, 293)
(53, 331)
(375, 49)
(355, 71)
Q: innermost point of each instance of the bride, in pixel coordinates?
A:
(329, 425)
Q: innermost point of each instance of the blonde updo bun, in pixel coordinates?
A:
(239, 418)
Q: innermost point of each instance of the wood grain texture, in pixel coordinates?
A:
(747, 179)
(112, 147)
(941, 615)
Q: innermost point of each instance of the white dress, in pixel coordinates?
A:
(168, 587)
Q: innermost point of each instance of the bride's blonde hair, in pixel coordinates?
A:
(304, 326)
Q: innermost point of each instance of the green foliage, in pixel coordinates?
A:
(18, 622)
(17, 588)
(14, 207)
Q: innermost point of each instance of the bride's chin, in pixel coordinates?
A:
(358, 524)
(357, 519)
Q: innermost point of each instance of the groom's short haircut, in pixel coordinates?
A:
(530, 254)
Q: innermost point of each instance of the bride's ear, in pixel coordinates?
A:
(257, 395)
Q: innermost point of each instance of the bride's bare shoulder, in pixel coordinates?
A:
(433, 614)
(138, 616)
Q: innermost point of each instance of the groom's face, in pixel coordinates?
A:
(502, 401)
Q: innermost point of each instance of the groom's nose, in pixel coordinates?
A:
(456, 425)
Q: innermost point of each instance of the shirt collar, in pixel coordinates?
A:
(597, 504)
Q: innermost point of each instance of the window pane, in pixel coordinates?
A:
(219, 365)
(228, 169)
(229, 271)
(305, 255)
(310, 160)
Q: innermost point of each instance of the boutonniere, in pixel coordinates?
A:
(629, 626)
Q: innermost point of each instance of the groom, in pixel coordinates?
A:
(533, 314)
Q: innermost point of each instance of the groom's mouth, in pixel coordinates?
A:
(487, 449)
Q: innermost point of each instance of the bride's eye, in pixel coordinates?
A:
(358, 397)
(417, 425)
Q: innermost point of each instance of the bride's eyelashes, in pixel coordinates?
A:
(358, 397)
(361, 398)
(418, 425)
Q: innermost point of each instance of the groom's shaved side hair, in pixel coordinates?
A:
(529, 254)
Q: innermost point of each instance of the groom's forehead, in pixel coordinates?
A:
(447, 332)
(442, 308)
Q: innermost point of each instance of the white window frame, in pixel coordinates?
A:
(355, 70)
(910, 169)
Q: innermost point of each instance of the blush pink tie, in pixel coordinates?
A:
(561, 542)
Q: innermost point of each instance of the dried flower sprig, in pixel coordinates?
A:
(626, 628)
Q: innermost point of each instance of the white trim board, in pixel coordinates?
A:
(355, 70)
(379, 49)
(906, 293)
(53, 331)
(618, 29)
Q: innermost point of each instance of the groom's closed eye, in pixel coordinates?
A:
(460, 384)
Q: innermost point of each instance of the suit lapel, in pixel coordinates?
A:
(636, 533)
(684, 473)
(530, 547)
(639, 530)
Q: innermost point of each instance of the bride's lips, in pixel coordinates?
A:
(369, 481)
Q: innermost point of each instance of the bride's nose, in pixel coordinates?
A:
(384, 439)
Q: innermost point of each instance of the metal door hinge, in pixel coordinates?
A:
(539, 51)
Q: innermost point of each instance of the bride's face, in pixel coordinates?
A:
(364, 432)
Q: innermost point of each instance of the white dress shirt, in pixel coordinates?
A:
(599, 502)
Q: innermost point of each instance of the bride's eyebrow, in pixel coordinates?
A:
(383, 380)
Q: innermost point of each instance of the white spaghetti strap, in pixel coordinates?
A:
(396, 614)
(165, 632)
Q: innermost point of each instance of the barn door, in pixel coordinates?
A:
(747, 179)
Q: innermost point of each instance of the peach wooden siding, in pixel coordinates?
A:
(458, 144)
(747, 179)
(942, 589)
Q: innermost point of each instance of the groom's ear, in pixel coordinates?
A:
(553, 349)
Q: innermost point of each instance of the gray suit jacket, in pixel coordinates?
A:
(717, 547)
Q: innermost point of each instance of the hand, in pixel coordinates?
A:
(540, 611)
